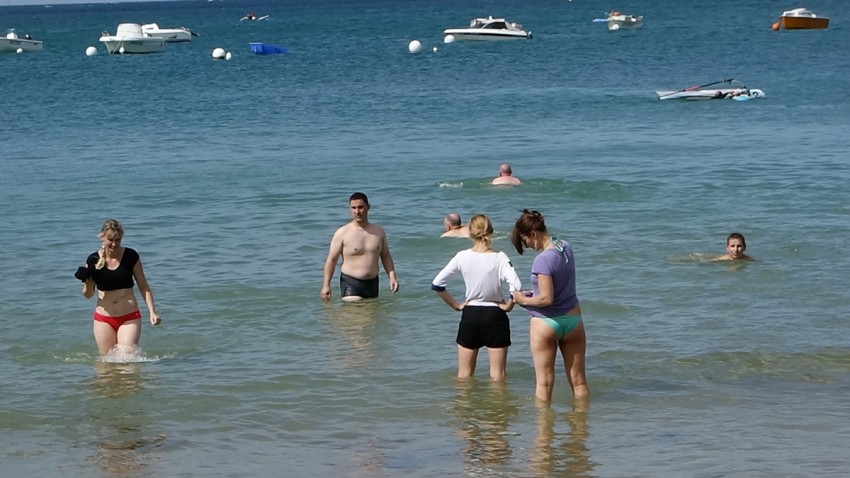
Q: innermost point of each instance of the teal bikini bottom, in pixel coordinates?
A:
(562, 325)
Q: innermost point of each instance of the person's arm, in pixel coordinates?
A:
(545, 298)
(443, 277)
(508, 274)
(448, 299)
(387, 261)
(147, 294)
(334, 252)
(507, 305)
(88, 288)
(84, 274)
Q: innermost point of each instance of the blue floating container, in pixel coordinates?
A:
(260, 48)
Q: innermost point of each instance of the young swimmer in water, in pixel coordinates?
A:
(736, 245)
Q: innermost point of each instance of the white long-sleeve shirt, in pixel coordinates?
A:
(483, 273)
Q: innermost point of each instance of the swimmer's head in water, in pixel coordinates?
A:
(736, 245)
(452, 221)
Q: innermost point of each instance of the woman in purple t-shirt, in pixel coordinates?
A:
(555, 311)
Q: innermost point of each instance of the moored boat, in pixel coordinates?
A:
(489, 29)
(129, 38)
(11, 42)
(802, 19)
(617, 21)
(170, 35)
(251, 17)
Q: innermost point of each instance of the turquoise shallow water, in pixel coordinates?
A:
(230, 178)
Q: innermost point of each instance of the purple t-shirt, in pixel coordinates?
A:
(560, 266)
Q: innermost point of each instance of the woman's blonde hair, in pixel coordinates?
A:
(111, 230)
(481, 230)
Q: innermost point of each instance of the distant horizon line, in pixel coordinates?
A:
(43, 3)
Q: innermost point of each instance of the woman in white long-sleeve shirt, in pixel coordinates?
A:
(484, 320)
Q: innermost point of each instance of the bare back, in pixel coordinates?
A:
(462, 231)
(507, 180)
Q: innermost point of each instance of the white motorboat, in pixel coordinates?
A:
(617, 21)
(489, 29)
(168, 34)
(129, 38)
(252, 17)
(735, 91)
(11, 42)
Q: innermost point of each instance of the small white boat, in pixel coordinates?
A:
(11, 42)
(735, 91)
(129, 38)
(252, 17)
(168, 34)
(489, 29)
(617, 21)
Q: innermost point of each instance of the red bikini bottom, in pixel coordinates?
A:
(116, 322)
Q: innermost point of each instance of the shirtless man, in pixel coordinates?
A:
(505, 176)
(736, 245)
(361, 245)
(454, 226)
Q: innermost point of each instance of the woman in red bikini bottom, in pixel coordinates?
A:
(111, 270)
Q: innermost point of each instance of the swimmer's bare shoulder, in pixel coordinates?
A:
(728, 257)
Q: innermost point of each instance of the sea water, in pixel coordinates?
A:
(231, 176)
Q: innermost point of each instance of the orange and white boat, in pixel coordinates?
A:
(802, 19)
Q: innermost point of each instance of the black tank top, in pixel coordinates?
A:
(120, 278)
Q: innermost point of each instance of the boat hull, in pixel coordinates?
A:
(129, 38)
(708, 94)
(171, 35)
(133, 45)
(475, 34)
(803, 23)
(624, 23)
(12, 45)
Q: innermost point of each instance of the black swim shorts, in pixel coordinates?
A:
(352, 286)
(483, 326)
